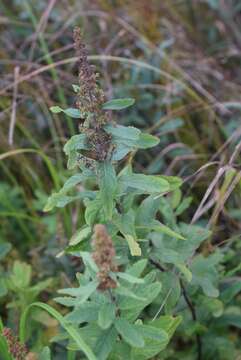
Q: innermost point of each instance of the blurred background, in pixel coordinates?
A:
(180, 60)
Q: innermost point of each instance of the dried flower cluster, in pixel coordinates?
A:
(18, 350)
(90, 100)
(90, 97)
(103, 255)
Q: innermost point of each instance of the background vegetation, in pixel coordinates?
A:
(180, 60)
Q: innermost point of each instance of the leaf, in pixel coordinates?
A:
(4, 353)
(72, 112)
(56, 109)
(162, 327)
(123, 133)
(118, 104)
(3, 288)
(73, 333)
(157, 226)
(108, 186)
(183, 206)
(174, 182)
(146, 141)
(147, 183)
(155, 340)
(75, 180)
(105, 343)
(106, 315)
(61, 200)
(5, 247)
(80, 235)
(82, 293)
(126, 225)
(129, 333)
(92, 211)
(129, 278)
(21, 275)
(83, 313)
(76, 142)
(133, 245)
(45, 354)
(186, 272)
(205, 273)
(137, 268)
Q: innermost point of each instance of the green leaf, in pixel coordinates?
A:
(21, 275)
(108, 186)
(174, 182)
(87, 312)
(73, 332)
(72, 112)
(129, 278)
(205, 273)
(146, 141)
(155, 340)
(133, 245)
(76, 142)
(106, 315)
(186, 272)
(82, 292)
(137, 268)
(183, 206)
(147, 183)
(157, 226)
(105, 343)
(45, 354)
(118, 104)
(80, 235)
(5, 247)
(129, 333)
(126, 225)
(4, 353)
(127, 135)
(56, 109)
(3, 288)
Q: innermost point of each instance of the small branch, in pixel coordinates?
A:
(14, 106)
(194, 317)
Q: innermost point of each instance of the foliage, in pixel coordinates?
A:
(174, 275)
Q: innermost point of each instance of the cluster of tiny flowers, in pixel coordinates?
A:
(18, 350)
(103, 255)
(90, 97)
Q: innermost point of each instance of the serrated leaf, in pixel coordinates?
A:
(129, 333)
(118, 104)
(106, 315)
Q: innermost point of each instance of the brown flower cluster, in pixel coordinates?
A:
(90, 96)
(103, 255)
(18, 350)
